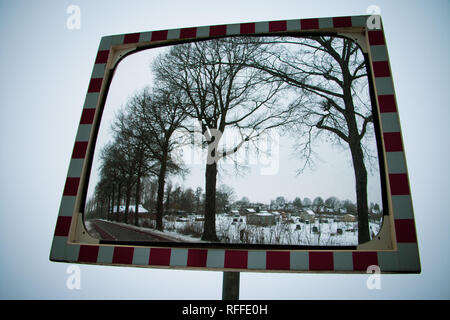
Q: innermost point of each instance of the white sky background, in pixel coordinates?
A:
(44, 79)
(332, 174)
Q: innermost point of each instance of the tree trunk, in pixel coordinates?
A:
(209, 230)
(361, 192)
(138, 192)
(119, 196)
(160, 195)
(138, 195)
(127, 204)
(128, 186)
(111, 215)
(359, 167)
(108, 208)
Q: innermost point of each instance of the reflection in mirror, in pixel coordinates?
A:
(242, 140)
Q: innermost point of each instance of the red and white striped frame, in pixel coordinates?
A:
(72, 244)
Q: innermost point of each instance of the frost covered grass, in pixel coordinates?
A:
(236, 230)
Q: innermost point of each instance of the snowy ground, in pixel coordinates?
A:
(289, 233)
(235, 230)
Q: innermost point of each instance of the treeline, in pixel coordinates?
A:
(318, 204)
(180, 199)
(142, 146)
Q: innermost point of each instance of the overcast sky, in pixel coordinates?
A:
(45, 71)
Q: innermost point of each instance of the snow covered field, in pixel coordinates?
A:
(234, 229)
(288, 233)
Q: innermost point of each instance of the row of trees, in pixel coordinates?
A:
(142, 146)
(177, 198)
(313, 86)
(318, 204)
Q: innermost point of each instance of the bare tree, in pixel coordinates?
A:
(198, 199)
(330, 73)
(225, 196)
(154, 116)
(332, 203)
(129, 152)
(318, 204)
(110, 172)
(221, 92)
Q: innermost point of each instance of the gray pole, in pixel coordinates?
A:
(230, 287)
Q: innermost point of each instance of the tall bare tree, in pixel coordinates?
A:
(110, 172)
(330, 72)
(154, 116)
(129, 151)
(221, 92)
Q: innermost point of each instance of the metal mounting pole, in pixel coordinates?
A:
(230, 287)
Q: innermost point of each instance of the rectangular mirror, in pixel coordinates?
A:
(254, 146)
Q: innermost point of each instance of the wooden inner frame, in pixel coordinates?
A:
(394, 250)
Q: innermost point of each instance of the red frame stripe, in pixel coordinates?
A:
(247, 28)
(79, 150)
(277, 26)
(159, 35)
(342, 22)
(278, 260)
(197, 257)
(392, 141)
(71, 186)
(215, 31)
(188, 33)
(362, 260)
(131, 38)
(309, 24)
(159, 256)
(381, 69)
(88, 253)
(87, 117)
(236, 259)
(95, 85)
(399, 184)
(386, 103)
(102, 56)
(376, 37)
(123, 255)
(405, 230)
(62, 226)
(321, 261)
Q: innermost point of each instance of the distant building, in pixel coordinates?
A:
(296, 212)
(131, 208)
(248, 211)
(328, 210)
(234, 212)
(350, 218)
(261, 219)
(308, 215)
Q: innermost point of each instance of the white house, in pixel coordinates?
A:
(131, 208)
(308, 215)
(261, 219)
(350, 218)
